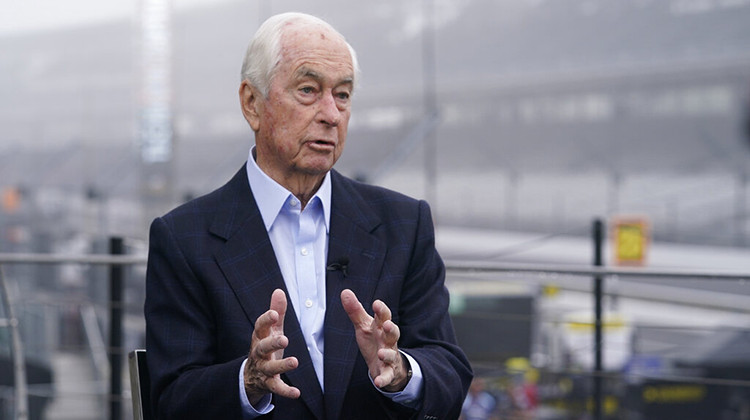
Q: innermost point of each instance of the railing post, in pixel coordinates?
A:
(21, 393)
(598, 236)
(115, 330)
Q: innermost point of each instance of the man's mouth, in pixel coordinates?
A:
(322, 144)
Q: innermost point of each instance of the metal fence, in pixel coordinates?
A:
(563, 389)
(88, 319)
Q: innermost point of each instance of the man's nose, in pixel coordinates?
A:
(329, 112)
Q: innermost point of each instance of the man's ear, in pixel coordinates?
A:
(250, 103)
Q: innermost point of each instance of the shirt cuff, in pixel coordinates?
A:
(411, 396)
(248, 411)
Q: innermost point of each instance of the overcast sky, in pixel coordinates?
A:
(23, 16)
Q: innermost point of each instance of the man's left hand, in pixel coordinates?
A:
(377, 339)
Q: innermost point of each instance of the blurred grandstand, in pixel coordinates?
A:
(550, 111)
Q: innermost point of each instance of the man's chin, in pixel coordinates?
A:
(317, 167)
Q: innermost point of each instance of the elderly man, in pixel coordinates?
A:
(253, 291)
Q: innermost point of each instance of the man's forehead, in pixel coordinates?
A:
(312, 53)
(307, 72)
(309, 28)
(303, 33)
(309, 37)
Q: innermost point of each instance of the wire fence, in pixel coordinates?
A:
(674, 341)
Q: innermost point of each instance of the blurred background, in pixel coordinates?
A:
(520, 121)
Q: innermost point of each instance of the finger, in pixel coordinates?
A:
(383, 320)
(268, 345)
(354, 309)
(392, 332)
(264, 323)
(276, 386)
(270, 368)
(389, 356)
(261, 376)
(386, 377)
(382, 311)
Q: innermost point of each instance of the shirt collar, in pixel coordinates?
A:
(271, 196)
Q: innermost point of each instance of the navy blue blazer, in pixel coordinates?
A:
(211, 271)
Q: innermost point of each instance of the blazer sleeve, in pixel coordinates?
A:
(187, 380)
(426, 329)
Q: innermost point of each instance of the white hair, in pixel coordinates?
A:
(264, 52)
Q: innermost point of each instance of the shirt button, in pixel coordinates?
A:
(304, 251)
(308, 303)
(293, 202)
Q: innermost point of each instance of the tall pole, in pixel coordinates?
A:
(430, 101)
(155, 107)
(19, 359)
(740, 209)
(115, 330)
(613, 199)
(598, 236)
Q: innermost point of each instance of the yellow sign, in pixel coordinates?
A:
(631, 239)
(676, 393)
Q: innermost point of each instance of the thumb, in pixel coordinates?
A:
(278, 304)
(354, 308)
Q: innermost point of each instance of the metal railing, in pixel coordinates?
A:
(18, 360)
(115, 261)
(643, 291)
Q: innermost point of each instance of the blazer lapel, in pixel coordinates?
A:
(351, 237)
(248, 261)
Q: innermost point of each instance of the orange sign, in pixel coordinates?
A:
(11, 200)
(631, 239)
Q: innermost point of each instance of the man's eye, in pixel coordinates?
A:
(343, 95)
(307, 90)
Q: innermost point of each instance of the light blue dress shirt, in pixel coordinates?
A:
(300, 242)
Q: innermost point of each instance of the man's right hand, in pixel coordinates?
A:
(265, 361)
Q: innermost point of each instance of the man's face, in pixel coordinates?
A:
(301, 126)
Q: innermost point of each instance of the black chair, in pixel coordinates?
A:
(140, 386)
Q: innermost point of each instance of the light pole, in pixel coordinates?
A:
(430, 101)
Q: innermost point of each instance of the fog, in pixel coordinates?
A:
(550, 113)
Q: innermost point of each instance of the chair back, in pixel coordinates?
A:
(140, 385)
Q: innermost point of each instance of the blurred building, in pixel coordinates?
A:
(549, 111)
